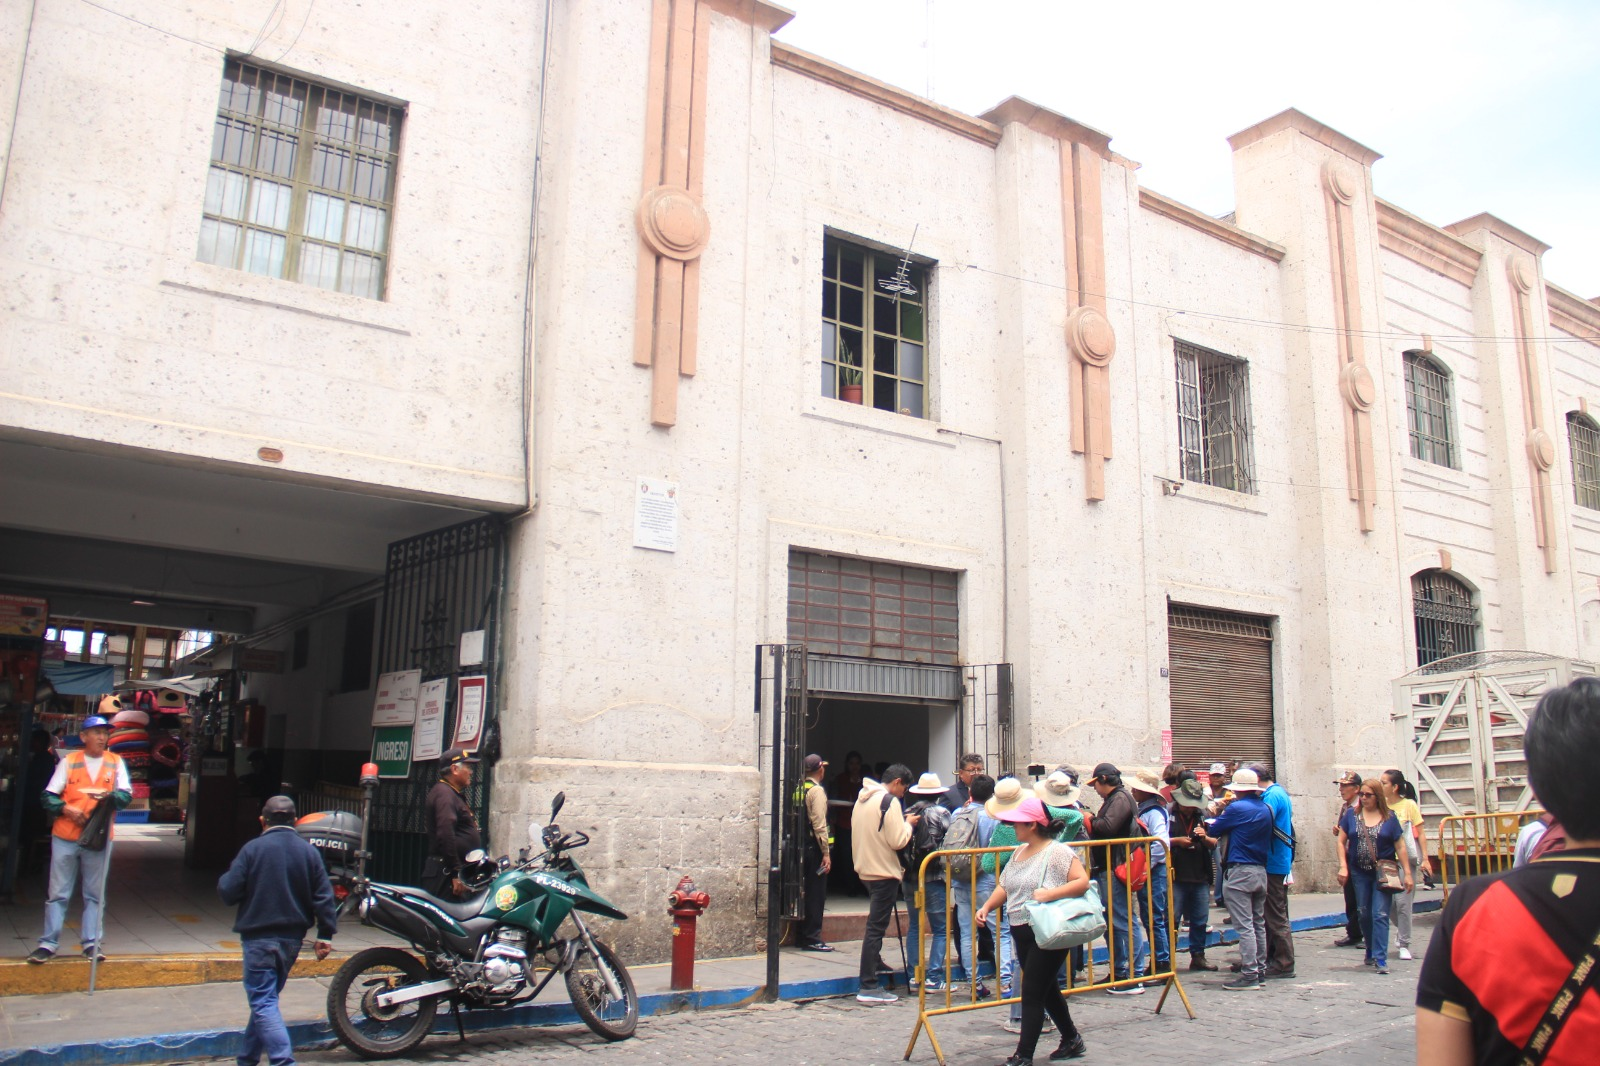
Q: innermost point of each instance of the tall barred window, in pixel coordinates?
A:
(1214, 418)
(1445, 616)
(1428, 410)
(301, 185)
(1583, 439)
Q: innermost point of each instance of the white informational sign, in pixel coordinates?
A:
(428, 742)
(396, 702)
(470, 700)
(655, 515)
(472, 648)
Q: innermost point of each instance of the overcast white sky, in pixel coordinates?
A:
(1475, 105)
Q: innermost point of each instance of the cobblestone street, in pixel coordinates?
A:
(1335, 1011)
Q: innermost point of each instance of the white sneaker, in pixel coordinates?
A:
(1405, 954)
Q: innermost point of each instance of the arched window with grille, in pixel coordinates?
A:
(1583, 440)
(1446, 618)
(1428, 410)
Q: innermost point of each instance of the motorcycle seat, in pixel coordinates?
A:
(460, 910)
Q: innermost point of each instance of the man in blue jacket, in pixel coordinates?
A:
(1248, 820)
(281, 888)
(1280, 936)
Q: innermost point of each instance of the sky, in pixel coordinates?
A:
(1475, 105)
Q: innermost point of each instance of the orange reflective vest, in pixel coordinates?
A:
(78, 779)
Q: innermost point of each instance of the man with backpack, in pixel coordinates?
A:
(1155, 822)
(878, 830)
(927, 837)
(1280, 937)
(971, 827)
(1117, 820)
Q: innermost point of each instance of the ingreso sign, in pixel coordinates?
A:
(391, 750)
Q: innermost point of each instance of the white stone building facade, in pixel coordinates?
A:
(1104, 404)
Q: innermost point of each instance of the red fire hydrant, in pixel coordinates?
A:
(685, 903)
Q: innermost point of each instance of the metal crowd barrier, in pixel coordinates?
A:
(1475, 844)
(1119, 942)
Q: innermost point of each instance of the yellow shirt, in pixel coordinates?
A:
(1407, 811)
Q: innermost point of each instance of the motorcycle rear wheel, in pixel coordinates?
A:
(360, 1024)
(610, 1018)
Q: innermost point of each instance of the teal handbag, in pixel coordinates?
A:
(1070, 922)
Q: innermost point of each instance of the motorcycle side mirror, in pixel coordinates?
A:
(475, 855)
(535, 833)
(555, 805)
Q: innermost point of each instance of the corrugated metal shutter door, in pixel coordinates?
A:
(1220, 668)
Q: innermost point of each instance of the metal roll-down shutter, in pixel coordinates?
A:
(1220, 669)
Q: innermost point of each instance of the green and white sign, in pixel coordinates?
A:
(391, 750)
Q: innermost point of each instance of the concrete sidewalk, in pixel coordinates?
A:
(152, 1025)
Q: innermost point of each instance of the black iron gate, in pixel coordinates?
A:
(985, 727)
(780, 706)
(436, 587)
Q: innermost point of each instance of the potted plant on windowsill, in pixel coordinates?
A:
(850, 384)
(849, 373)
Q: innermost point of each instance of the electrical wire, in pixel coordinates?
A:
(263, 33)
(157, 29)
(298, 32)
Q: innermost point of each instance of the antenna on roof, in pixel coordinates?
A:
(900, 284)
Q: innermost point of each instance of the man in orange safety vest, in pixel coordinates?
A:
(82, 780)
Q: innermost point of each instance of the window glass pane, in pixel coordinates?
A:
(269, 204)
(910, 321)
(884, 320)
(319, 265)
(851, 265)
(883, 354)
(330, 167)
(850, 347)
(275, 153)
(362, 276)
(376, 128)
(911, 399)
(850, 306)
(372, 178)
(883, 392)
(367, 227)
(232, 141)
(911, 361)
(263, 253)
(225, 193)
(830, 379)
(285, 104)
(238, 95)
(333, 121)
(219, 243)
(830, 260)
(830, 300)
(324, 217)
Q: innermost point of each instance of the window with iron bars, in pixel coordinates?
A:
(301, 185)
(1583, 439)
(1214, 418)
(874, 329)
(1446, 618)
(1428, 410)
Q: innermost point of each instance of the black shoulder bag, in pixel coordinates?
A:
(97, 830)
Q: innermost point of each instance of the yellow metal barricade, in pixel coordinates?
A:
(1119, 941)
(1474, 844)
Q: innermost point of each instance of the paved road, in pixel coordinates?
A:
(1336, 1011)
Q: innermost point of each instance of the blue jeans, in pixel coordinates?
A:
(1373, 905)
(1192, 904)
(966, 949)
(67, 862)
(267, 962)
(934, 893)
(1154, 894)
(1123, 937)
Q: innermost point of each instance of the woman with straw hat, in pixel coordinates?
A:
(1008, 796)
(1042, 870)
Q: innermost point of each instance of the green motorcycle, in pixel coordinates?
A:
(497, 948)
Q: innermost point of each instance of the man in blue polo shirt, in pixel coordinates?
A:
(1280, 937)
(1248, 821)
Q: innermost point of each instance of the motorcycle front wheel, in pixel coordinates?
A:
(609, 1017)
(371, 1031)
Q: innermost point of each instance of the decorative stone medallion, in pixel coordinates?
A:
(1521, 271)
(1357, 386)
(673, 223)
(1339, 182)
(1541, 449)
(1091, 337)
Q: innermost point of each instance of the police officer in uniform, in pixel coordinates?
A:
(452, 827)
(818, 852)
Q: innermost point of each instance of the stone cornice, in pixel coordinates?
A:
(1571, 313)
(1050, 123)
(1427, 245)
(1502, 229)
(823, 70)
(764, 16)
(1299, 120)
(1212, 227)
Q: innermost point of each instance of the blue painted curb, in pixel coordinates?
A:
(224, 1043)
